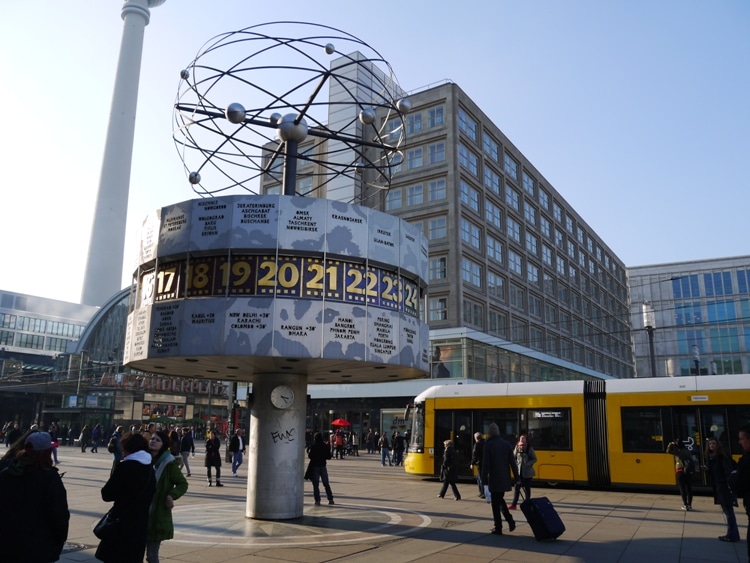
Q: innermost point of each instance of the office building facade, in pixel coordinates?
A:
(521, 287)
(694, 315)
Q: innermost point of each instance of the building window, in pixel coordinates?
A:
(686, 287)
(414, 123)
(414, 195)
(580, 235)
(559, 239)
(437, 152)
(545, 226)
(304, 185)
(548, 284)
(468, 160)
(517, 296)
(491, 180)
(438, 268)
(511, 198)
(494, 249)
(552, 342)
(393, 199)
(471, 272)
(469, 196)
(513, 229)
(535, 306)
(569, 224)
(438, 309)
(518, 331)
(436, 228)
(557, 212)
(498, 323)
(473, 314)
(493, 214)
(571, 250)
(515, 263)
(491, 148)
(528, 184)
(436, 190)
(511, 166)
(550, 313)
(532, 243)
(7, 337)
(536, 338)
(532, 274)
(529, 212)
(467, 124)
(718, 283)
(393, 129)
(414, 158)
(495, 285)
(435, 117)
(471, 234)
(546, 255)
(543, 199)
(561, 269)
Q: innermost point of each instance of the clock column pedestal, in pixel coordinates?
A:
(276, 450)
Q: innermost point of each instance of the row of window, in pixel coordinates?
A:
(714, 284)
(41, 326)
(32, 341)
(493, 181)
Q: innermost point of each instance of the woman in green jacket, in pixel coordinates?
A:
(170, 485)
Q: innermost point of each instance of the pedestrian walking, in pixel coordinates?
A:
(213, 458)
(237, 449)
(448, 473)
(498, 465)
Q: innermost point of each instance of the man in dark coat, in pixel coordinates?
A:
(237, 449)
(741, 481)
(34, 512)
(476, 460)
(497, 465)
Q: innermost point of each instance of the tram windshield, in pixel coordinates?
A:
(416, 438)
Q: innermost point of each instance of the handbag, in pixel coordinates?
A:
(107, 527)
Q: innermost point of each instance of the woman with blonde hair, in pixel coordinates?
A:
(448, 471)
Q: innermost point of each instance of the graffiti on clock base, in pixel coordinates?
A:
(286, 436)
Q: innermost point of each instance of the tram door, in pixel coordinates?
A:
(456, 426)
(695, 426)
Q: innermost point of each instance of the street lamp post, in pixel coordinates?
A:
(648, 323)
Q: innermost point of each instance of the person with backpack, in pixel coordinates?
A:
(385, 450)
(684, 467)
(718, 468)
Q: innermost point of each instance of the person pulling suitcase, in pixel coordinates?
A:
(497, 466)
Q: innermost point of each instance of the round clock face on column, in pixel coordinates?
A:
(282, 397)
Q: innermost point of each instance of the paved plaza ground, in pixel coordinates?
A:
(382, 515)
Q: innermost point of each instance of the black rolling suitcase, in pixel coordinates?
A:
(543, 518)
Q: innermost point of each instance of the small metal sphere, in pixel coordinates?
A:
(359, 167)
(235, 113)
(194, 178)
(367, 116)
(330, 49)
(275, 118)
(184, 74)
(288, 131)
(404, 105)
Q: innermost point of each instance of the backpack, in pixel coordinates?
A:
(112, 445)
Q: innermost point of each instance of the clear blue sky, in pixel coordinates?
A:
(638, 112)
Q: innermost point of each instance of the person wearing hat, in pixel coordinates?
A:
(33, 504)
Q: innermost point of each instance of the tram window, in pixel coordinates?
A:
(642, 430)
(549, 429)
(416, 439)
(506, 420)
(738, 415)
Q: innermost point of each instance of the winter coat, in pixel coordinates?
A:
(449, 464)
(318, 454)
(498, 464)
(718, 471)
(213, 453)
(131, 487)
(34, 513)
(477, 452)
(741, 484)
(525, 461)
(171, 483)
(187, 444)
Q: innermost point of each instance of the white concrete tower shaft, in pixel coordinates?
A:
(103, 275)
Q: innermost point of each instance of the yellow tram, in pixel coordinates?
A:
(603, 433)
